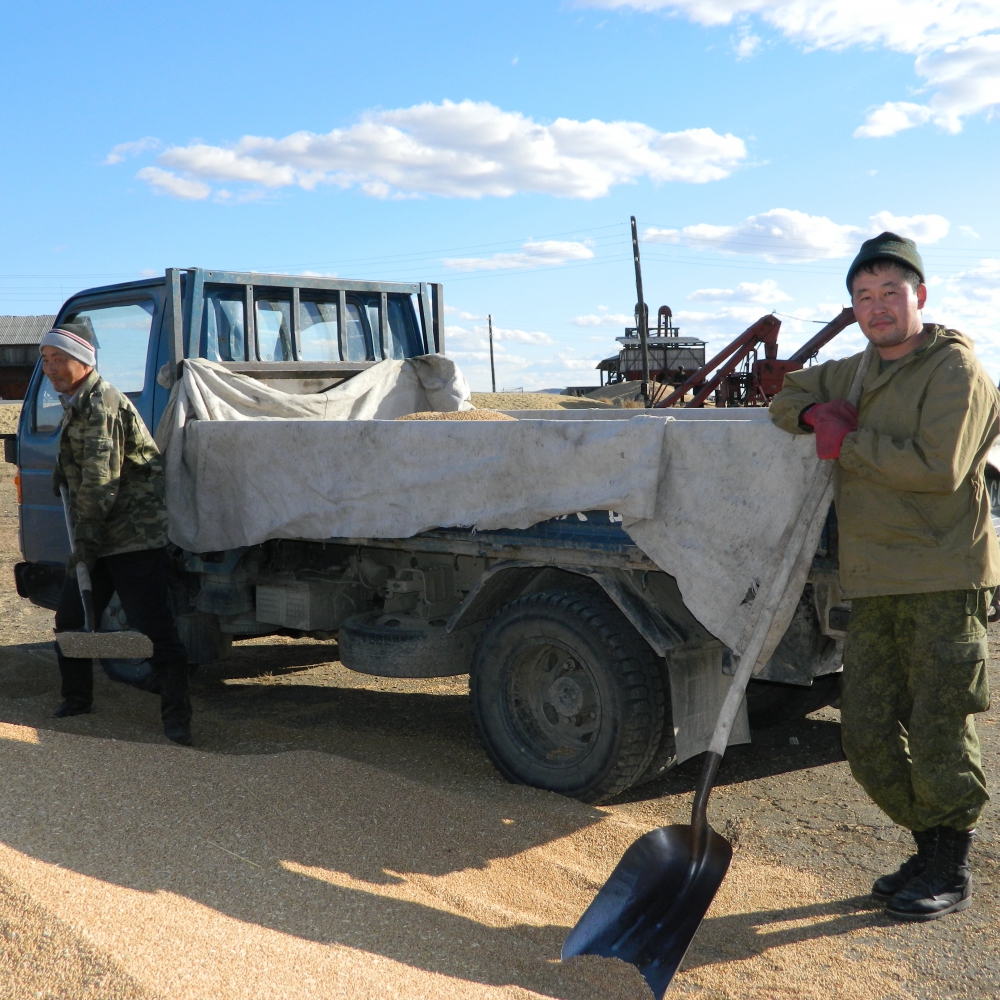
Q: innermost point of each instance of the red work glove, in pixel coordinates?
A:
(832, 422)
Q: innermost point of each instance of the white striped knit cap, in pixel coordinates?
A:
(74, 340)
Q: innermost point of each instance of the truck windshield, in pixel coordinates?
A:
(122, 334)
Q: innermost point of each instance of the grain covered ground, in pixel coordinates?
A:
(337, 835)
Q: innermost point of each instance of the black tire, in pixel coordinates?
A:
(665, 755)
(593, 735)
(389, 645)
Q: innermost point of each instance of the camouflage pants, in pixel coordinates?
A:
(914, 674)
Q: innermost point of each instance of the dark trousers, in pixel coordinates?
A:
(140, 578)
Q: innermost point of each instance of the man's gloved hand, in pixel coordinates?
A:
(85, 552)
(832, 422)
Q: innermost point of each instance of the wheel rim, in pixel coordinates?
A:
(552, 702)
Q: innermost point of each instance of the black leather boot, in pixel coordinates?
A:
(175, 705)
(946, 884)
(888, 885)
(68, 708)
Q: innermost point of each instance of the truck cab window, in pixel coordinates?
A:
(274, 328)
(374, 323)
(359, 341)
(222, 325)
(404, 336)
(48, 410)
(319, 331)
(122, 335)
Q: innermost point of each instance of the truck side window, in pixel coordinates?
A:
(359, 345)
(222, 325)
(374, 323)
(48, 409)
(404, 337)
(318, 329)
(274, 328)
(122, 335)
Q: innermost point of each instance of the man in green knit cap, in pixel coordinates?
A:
(919, 560)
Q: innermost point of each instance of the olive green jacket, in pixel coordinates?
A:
(113, 471)
(912, 506)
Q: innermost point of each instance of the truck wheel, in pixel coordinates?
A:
(665, 755)
(566, 696)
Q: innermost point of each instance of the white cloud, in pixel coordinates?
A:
(465, 149)
(902, 25)
(970, 302)
(523, 336)
(893, 117)
(541, 366)
(579, 364)
(164, 182)
(966, 81)
(920, 228)
(746, 45)
(126, 149)
(765, 293)
(745, 314)
(604, 319)
(534, 253)
(478, 336)
(784, 234)
(956, 43)
(461, 314)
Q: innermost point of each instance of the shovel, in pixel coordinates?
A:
(651, 907)
(90, 644)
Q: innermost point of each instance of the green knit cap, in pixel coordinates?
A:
(888, 247)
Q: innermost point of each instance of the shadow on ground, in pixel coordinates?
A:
(313, 845)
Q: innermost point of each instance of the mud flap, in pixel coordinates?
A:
(698, 688)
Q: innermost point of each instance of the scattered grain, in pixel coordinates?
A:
(458, 415)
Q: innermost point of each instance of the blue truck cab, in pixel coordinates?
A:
(296, 332)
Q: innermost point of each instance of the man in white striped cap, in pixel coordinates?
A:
(112, 470)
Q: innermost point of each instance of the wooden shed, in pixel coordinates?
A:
(19, 337)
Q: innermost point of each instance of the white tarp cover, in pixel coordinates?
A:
(707, 500)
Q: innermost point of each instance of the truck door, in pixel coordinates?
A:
(122, 323)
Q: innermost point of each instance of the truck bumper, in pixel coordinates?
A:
(40, 583)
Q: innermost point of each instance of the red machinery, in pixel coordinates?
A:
(740, 377)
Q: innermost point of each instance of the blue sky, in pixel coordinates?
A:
(501, 148)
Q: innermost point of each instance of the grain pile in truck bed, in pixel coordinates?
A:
(533, 401)
(457, 415)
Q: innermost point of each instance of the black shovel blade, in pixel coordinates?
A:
(651, 907)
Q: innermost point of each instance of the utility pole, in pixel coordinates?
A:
(641, 317)
(493, 372)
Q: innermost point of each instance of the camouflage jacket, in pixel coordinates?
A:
(113, 471)
(912, 504)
